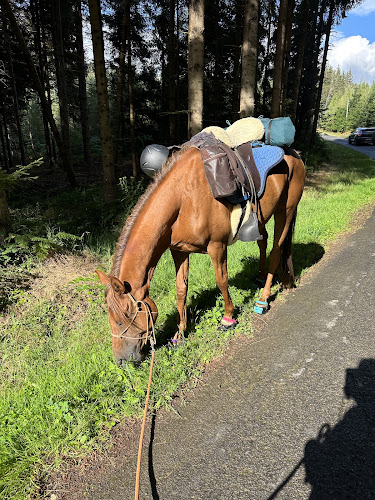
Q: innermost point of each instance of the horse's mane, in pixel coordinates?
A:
(124, 236)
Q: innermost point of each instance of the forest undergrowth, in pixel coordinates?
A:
(61, 392)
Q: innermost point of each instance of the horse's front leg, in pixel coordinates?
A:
(218, 254)
(181, 261)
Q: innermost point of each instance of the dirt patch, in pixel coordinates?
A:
(51, 280)
(57, 272)
(317, 179)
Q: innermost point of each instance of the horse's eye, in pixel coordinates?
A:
(119, 323)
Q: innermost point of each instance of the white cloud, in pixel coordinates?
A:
(354, 53)
(365, 8)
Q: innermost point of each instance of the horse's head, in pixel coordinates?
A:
(131, 318)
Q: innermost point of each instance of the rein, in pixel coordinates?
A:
(150, 335)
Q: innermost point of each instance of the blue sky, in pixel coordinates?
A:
(352, 43)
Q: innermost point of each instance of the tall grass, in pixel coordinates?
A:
(60, 390)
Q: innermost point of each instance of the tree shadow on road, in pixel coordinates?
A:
(340, 462)
(305, 255)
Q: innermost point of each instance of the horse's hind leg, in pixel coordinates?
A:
(181, 261)
(218, 253)
(262, 244)
(283, 220)
(286, 270)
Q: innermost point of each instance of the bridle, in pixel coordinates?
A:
(150, 332)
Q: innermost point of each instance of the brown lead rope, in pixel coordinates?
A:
(143, 426)
(151, 337)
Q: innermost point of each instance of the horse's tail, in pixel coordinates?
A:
(286, 257)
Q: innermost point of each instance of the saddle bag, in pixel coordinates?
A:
(220, 177)
(278, 131)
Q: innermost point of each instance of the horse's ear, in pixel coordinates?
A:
(103, 278)
(120, 287)
(117, 286)
(128, 287)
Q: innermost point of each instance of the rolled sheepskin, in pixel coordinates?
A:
(245, 130)
(219, 133)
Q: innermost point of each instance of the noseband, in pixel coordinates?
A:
(150, 332)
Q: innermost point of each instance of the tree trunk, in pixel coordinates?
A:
(47, 83)
(288, 38)
(265, 68)
(30, 132)
(249, 58)
(172, 59)
(34, 7)
(109, 181)
(84, 109)
(15, 96)
(305, 116)
(303, 27)
(322, 71)
(58, 49)
(195, 65)
(5, 219)
(279, 60)
(237, 62)
(3, 146)
(38, 87)
(6, 134)
(121, 80)
(131, 106)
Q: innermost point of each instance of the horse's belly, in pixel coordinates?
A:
(188, 236)
(188, 247)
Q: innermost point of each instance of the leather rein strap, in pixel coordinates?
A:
(252, 192)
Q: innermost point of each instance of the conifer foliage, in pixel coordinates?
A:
(167, 68)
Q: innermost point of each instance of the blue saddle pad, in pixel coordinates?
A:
(266, 157)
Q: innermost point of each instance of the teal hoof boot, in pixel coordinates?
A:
(261, 307)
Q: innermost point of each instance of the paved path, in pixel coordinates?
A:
(276, 408)
(365, 149)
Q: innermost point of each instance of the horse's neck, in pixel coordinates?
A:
(149, 237)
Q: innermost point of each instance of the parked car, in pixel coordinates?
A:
(362, 135)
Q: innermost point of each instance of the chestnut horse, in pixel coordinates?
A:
(178, 211)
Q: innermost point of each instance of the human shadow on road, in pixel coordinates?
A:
(340, 462)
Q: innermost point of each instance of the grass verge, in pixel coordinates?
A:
(60, 390)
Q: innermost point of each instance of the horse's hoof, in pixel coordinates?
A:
(261, 307)
(175, 343)
(227, 324)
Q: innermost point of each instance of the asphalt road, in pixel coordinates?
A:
(289, 414)
(365, 149)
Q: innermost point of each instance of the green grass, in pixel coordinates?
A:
(60, 390)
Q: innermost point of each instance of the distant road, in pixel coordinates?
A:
(365, 149)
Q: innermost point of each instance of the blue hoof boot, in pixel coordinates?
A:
(261, 307)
